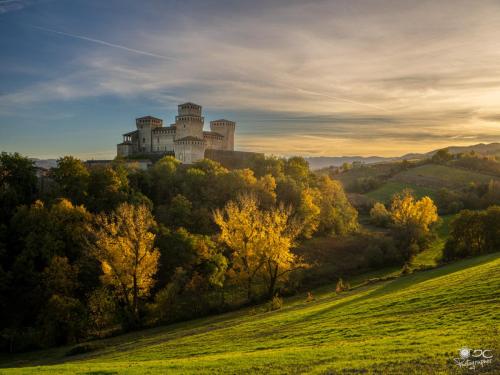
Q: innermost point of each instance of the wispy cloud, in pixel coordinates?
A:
(12, 5)
(102, 42)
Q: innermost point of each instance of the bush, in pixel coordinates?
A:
(379, 215)
(275, 304)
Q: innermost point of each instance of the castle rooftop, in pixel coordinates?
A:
(149, 118)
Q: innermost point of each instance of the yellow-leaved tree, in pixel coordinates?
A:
(240, 226)
(261, 240)
(412, 220)
(124, 245)
(279, 231)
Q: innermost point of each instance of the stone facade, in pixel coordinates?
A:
(185, 139)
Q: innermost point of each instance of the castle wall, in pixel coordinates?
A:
(189, 151)
(214, 140)
(163, 140)
(124, 149)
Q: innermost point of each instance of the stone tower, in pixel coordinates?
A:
(189, 122)
(225, 128)
(145, 125)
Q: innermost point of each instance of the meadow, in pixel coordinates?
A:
(409, 324)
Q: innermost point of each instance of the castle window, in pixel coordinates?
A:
(143, 140)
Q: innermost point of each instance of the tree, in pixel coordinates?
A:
(124, 245)
(442, 156)
(260, 239)
(337, 216)
(107, 188)
(18, 183)
(379, 215)
(72, 178)
(240, 224)
(412, 220)
(278, 234)
(473, 233)
(308, 212)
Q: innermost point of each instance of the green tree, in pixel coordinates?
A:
(379, 215)
(337, 216)
(72, 178)
(18, 183)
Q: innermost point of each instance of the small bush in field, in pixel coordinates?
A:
(406, 269)
(276, 303)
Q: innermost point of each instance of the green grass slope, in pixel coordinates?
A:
(427, 180)
(413, 324)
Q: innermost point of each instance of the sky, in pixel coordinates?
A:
(310, 78)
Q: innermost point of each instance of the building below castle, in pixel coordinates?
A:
(185, 139)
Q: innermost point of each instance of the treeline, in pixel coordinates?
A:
(473, 233)
(112, 248)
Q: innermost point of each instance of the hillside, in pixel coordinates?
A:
(488, 149)
(425, 179)
(413, 324)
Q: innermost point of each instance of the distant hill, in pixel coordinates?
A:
(336, 161)
(480, 148)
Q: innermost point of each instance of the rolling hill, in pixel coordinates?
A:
(411, 324)
(318, 162)
(426, 179)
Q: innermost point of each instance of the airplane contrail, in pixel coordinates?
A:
(102, 42)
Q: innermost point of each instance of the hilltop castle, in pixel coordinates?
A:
(185, 139)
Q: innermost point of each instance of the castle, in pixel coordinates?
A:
(185, 139)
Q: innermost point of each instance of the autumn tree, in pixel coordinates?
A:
(124, 245)
(260, 239)
(240, 224)
(278, 232)
(412, 220)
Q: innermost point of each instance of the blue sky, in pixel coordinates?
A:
(312, 78)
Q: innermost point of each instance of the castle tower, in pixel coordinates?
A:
(189, 122)
(144, 126)
(225, 128)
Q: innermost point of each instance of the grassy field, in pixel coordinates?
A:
(387, 190)
(412, 324)
(427, 180)
(432, 255)
(435, 176)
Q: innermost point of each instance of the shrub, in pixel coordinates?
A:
(379, 215)
(275, 304)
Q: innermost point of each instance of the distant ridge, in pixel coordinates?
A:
(318, 162)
